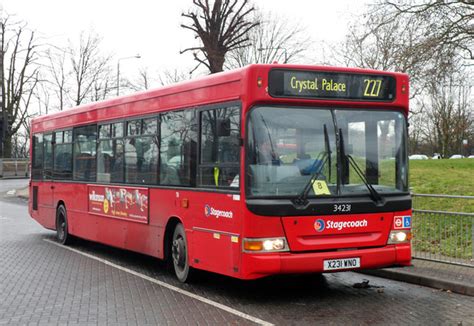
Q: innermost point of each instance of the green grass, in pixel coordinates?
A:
(443, 177)
(440, 234)
(449, 177)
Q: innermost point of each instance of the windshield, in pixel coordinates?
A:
(288, 147)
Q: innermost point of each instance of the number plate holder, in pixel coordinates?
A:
(343, 263)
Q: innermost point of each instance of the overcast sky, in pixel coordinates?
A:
(152, 28)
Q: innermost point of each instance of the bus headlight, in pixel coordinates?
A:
(265, 245)
(399, 236)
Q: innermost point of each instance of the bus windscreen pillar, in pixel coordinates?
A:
(372, 158)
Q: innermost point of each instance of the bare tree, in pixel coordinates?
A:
(88, 66)
(449, 113)
(221, 28)
(79, 73)
(417, 131)
(174, 76)
(18, 76)
(448, 24)
(143, 81)
(20, 144)
(42, 95)
(398, 45)
(103, 85)
(59, 75)
(394, 37)
(274, 39)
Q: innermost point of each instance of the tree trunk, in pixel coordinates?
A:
(7, 146)
(216, 61)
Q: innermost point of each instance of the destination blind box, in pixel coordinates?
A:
(330, 85)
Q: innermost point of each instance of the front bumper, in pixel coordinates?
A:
(260, 265)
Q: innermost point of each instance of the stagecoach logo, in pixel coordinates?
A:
(211, 211)
(319, 225)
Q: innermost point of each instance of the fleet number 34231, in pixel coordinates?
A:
(342, 208)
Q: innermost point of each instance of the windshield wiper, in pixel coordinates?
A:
(302, 200)
(376, 197)
(328, 151)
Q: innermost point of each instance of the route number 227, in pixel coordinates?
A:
(372, 87)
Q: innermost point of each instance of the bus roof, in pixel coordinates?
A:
(225, 86)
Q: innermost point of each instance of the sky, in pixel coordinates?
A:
(152, 28)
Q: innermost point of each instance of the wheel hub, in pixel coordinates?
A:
(178, 250)
(62, 228)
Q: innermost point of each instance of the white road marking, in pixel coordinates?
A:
(168, 286)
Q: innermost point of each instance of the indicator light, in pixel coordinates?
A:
(404, 89)
(259, 82)
(252, 245)
(185, 203)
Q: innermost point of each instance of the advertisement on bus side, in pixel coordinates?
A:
(119, 202)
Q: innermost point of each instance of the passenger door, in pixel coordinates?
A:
(46, 187)
(218, 220)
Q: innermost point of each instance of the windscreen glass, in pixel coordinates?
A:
(290, 147)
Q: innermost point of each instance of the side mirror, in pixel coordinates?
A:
(223, 127)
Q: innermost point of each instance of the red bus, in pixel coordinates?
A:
(262, 170)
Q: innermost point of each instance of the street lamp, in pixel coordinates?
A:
(285, 53)
(137, 56)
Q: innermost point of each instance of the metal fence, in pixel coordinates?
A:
(14, 168)
(443, 228)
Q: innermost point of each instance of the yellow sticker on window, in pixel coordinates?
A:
(320, 187)
(216, 176)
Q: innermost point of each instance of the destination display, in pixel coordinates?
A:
(330, 85)
(119, 202)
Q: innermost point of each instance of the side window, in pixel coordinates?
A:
(141, 151)
(85, 139)
(62, 168)
(37, 162)
(117, 130)
(110, 153)
(48, 156)
(178, 148)
(220, 147)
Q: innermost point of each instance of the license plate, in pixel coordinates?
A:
(344, 263)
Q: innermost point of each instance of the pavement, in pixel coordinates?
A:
(438, 275)
(44, 283)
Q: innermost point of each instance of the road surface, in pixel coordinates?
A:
(86, 283)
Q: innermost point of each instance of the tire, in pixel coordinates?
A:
(62, 233)
(179, 255)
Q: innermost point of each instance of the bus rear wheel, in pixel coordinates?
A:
(62, 234)
(179, 255)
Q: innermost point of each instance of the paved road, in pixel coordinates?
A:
(43, 283)
(9, 184)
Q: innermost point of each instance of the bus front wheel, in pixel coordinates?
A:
(179, 254)
(62, 234)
